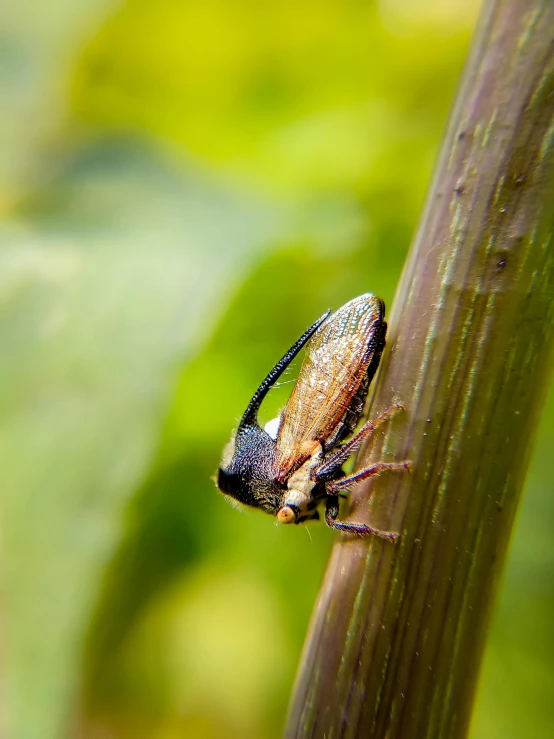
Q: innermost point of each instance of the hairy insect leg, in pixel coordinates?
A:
(358, 529)
(341, 455)
(346, 482)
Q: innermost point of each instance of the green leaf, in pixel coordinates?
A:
(108, 283)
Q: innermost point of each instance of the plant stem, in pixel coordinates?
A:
(397, 635)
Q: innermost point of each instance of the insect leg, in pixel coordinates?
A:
(358, 529)
(341, 455)
(347, 482)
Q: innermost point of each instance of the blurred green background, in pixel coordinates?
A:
(184, 187)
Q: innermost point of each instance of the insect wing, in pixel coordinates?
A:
(337, 358)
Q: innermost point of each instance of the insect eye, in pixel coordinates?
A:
(227, 483)
(286, 514)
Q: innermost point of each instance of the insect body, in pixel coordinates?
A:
(288, 474)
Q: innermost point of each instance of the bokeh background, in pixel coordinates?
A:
(184, 187)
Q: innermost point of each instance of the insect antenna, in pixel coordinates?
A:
(250, 417)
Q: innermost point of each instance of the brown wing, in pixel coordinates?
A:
(337, 358)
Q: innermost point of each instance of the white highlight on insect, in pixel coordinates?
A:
(272, 427)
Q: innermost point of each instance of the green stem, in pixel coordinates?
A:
(397, 636)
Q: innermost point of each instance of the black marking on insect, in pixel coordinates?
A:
(290, 472)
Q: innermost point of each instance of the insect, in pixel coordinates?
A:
(291, 472)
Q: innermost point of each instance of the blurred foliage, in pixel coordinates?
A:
(184, 187)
